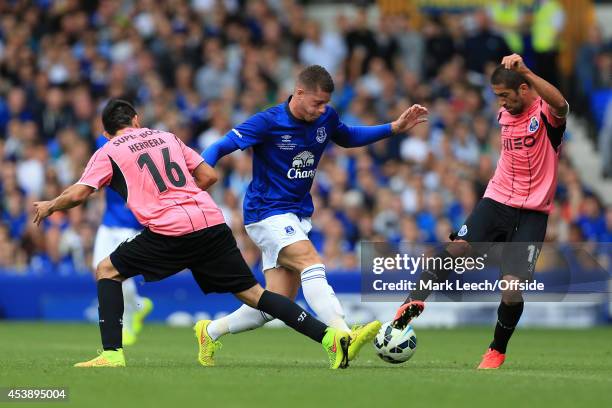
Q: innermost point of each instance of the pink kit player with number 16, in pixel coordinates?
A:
(163, 182)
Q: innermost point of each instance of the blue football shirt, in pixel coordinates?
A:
(286, 152)
(116, 214)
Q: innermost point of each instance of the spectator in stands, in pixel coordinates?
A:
(361, 42)
(411, 44)
(324, 48)
(592, 219)
(508, 17)
(586, 63)
(605, 141)
(484, 45)
(547, 23)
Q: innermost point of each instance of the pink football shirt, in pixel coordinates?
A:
(526, 173)
(152, 169)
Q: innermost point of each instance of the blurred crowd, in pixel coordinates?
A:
(199, 67)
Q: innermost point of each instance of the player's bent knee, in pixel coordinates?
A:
(512, 297)
(298, 256)
(106, 270)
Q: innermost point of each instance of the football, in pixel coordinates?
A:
(395, 346)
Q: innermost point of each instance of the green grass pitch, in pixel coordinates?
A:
(279, 368)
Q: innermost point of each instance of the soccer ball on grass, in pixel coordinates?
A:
(393, 345)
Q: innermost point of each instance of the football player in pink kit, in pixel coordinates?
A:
(518, 198)
(163, 182)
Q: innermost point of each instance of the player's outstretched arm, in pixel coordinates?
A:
(71, 197)
(551, 95)
(204, 176)
(357, 136)
(217, 150)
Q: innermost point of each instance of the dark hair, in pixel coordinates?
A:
(508, 78)
(316, 77)
(117, 114)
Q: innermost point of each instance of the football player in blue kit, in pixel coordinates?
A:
(288, 141)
